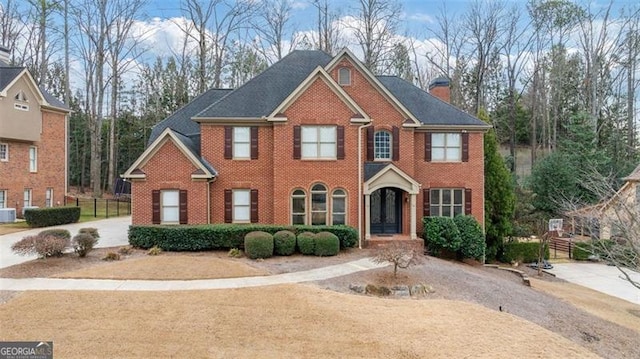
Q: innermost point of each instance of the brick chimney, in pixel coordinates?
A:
(439, 88)
(5, 54)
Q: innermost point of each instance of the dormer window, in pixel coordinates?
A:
(344, 76)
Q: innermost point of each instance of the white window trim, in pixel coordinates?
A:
(33, 161)
(3, 195)
(175, 207)
(21, 106)
(235, 205)
(48, 197)
(446, 146)
(304, 205)
(451, 206)
(238, 143)
(313, 211)
(346, 204)
(318, 143)
(375, 146)
(341, 79)
(6, 156)
(27, 198)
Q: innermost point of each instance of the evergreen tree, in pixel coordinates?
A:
(499, 195)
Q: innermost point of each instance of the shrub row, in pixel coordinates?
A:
(259, 244)
(222, 236)
(461, 235)
(51, 216)
(523, 251)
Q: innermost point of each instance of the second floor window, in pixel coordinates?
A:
(344, 76)
(4, 152)
(319, 142)
(241, 142)
(382, 145)
(33, 159)
(446, 147)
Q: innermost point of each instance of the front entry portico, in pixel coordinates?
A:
(383, 198)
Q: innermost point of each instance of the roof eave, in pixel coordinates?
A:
(444, 127)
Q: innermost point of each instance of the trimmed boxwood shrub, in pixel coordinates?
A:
(56, 232)
(327, 244)
(51, 216)
(93, 232)
(525, 251)
(284, 243)
(441, 233)
(220, 236)
(306, 243)
(472, 243)
(258, 244)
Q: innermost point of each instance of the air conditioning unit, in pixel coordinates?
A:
(7, 215)
(26, 208)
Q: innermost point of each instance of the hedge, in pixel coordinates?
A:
(582, 251)
(258, 244)
(306, 243)
(599, 248)
(51, 216)
(327, 244)
(284, 243)
(221, 236)
(523, 251)
(472, 243)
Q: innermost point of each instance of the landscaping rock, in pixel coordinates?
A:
(401, 291)
(356, 288)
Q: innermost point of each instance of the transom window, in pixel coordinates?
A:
(344, 76)
(339, 207)
(382, 145)
(241, 205)
(241, 142)
(4, 152)
(298, 207)
(3, 198)
(446, 147)
(319, 142)
(170, 206)
(318, 204)
(446, 202)
(33, 159)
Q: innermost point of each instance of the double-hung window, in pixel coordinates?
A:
(4, 152)
(446, 147)
(27, 198)
(241, 142)
(319, 142)
(33, 159)
(170, 206)
(241, 206)
(446, 202)
(3, 198)
(48, 197)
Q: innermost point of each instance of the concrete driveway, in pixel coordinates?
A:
(113, 232)
(600, 277)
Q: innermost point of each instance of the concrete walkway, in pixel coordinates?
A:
(171, 285)
(113, 232)
(600, 277)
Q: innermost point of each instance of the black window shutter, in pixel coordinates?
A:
(427, 146)
(183, 207)
(228, 138)
(396, 143)
(228, 199)
(465, 147)
(155, 200)
(296, 142)
(370, 132)
(467, 201)
(426, 202)
(254, 206)
(254, 143)
(340, 139)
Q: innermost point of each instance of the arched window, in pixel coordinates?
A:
(339, 207)
(344, 76)
(318, 204)
(382, 145)
(298, 207)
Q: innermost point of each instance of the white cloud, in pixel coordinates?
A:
(421, 17)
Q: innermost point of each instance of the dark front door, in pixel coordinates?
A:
(386, 204)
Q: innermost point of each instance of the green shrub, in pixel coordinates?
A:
(56, 232)
(234, 253)
(42, 245)
(306, 243)
(472, 243)
(154, 251)
(582, 251)
(258, 244)
(327, 244)
(51, 216)
(221, 236)
(83, 243)
(91, 231)
(284, 243)
(523, 251)
(441, 233)
(111, 256)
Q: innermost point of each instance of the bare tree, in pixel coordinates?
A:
(376, 25)
(328, 35)
(43, 11)
(399, 255)
(10, 24)
(273, 25)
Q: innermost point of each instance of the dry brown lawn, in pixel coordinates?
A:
(167, 268)
(291, 321)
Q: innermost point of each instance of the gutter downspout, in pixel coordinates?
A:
(360, 183)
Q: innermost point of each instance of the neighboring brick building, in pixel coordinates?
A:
(33, 141)
(313, 140)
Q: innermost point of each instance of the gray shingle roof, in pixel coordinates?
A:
(260, 96)
(52, 100)
(8, 74)
(428, 109)
(372, 168)
(195, 150)
(180, 121)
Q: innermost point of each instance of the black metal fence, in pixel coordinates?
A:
(100, 207)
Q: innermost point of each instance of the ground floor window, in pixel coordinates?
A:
(318, 205)
(48, 197)
(322, 211)
(170, 206)
(3, 198)
(339, 207)
(446, 202)
(298, 207)
(241, 205)
(27, 198)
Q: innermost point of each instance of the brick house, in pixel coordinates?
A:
(33, 141)
(314, 139)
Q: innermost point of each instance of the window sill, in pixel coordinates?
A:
(319, 159)
(457, 161)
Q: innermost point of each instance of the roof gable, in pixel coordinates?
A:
(10, 75)
(390, 176)
(204, 170)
